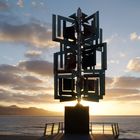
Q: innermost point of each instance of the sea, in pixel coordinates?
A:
(34, 125)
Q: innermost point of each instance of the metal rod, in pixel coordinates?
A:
(79, 17)
(52, 128)
(103, 128)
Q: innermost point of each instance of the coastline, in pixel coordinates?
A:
(32, 128)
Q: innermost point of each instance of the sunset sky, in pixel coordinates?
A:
(26, 53)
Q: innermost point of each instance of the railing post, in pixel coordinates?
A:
(118, 130)
(91, 127)
(113, 129)
(52, 128)
(59, 126)
(103, 128)
(45, 129)
(63, 127)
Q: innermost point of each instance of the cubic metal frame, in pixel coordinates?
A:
(78, 74)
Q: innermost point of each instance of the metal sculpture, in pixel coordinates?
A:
(77, 72)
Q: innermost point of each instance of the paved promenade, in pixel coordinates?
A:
(61, 137)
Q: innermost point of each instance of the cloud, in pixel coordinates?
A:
(33, 54)
(27, 76)
(115, 92)
(9, 79)
(16, 78)
(134, 64)
(115, 39)
(30, 88)
(37, 66)
(134, 36)
(111, 38)
(32, 79)
(122, 88)
(133, 97)
(20, 3)
(34, 34)
(123, 82)
(114, 61)
(23, 98)
(30, 82)
(122, 55)
(108, 81)
(37, 4)
(4, 94)
(126, 82)
(3, 6)
(40, 98)
(21, 87)
(121, 94)
(9, 68)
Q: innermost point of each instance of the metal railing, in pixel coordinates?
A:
(53, 128)
(104, 128)
(94, 128)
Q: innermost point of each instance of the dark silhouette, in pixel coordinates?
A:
(76, 75)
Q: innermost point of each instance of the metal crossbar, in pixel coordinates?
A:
(94, 128)
(104, 128)
(53, 128)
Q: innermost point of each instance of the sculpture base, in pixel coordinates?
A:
(76, 119)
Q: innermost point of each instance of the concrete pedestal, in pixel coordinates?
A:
(76, 120)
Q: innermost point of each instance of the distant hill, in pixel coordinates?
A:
(31, 111)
